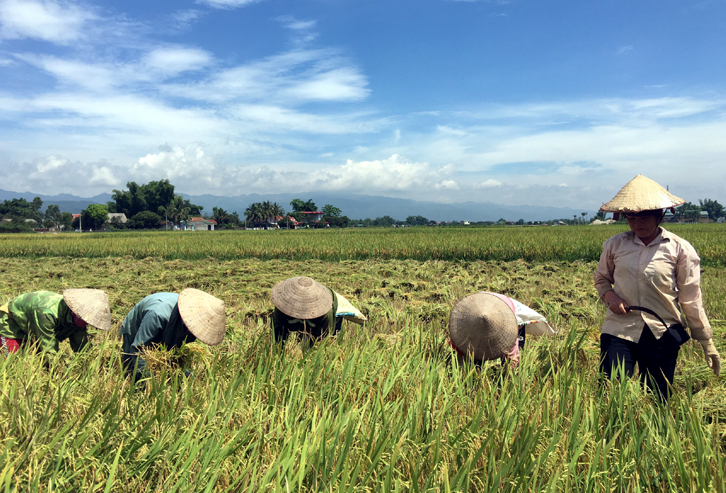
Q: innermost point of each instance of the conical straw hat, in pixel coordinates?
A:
(91, 305)
(483, 325)
(203, 314)
(641, 194)
(301, 297)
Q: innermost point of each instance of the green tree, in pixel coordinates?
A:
(600, 215)
(52, 214)
(276, 210)
(23, 209)
(688, 211)
(66, 221)
(255, 214)
(98, 214)
(416, 221)
(386, 221)
(177, 210)
(714, 209)
(223, 218)
(299, 205)
(330, 210)
(157, 194)
(145, 220)
(338, 221)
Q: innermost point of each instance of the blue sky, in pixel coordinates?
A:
(557, 103)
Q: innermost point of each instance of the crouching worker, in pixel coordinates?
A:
(46, 319)
(493, 326)
(306, 306)
(170, 320)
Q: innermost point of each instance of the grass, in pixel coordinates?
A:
(378, 408)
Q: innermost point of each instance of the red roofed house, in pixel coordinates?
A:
(286, 222)
(311, 217)
(200, 224)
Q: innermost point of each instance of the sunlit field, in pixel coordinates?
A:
(382, 407)
(552, 243)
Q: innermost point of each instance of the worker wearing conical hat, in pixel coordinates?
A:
(46, 319)
(170, 319)
(303, 305)
(489, 326)
(650, 280)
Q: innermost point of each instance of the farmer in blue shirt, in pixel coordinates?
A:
(170, 320)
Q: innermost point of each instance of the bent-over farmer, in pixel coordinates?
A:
(646, 276)
(491, 325)
(46, 319)
(170, 320)
(303, 305)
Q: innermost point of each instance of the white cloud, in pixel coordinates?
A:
(624, 50)
(52, 163)
(76, 73)
(393, 173)
(339, 84)
(296, 24)
(447, 185)
(174, 162)
(226, 4)
(47, 20)
(490, 183)
(173, 60)
(103, 176)
(293, 78)
(184, 18)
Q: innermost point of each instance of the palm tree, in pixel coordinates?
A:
(177, 212)
(255, 213)
(276, 211)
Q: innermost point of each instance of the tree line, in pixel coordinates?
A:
(147, 206)
(15, 213)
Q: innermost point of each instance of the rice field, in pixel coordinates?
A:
(562, 243)
(383, 407)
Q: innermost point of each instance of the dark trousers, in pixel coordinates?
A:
(656, 359)
(521, 336)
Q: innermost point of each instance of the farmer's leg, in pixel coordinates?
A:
(615, 353)
(10, 345)
(521, 336)
(657, 362)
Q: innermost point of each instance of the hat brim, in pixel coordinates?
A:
(203, 314)
(483, 325)
(91, 305)
(302, 298)
(641, 194)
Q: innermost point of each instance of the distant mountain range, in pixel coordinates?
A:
(354, 206)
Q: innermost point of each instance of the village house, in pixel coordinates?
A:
(287, 222)
(119, 215)
(312, 216)
(200, 224)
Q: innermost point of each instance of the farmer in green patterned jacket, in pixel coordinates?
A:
(45, 319)
(170, 320)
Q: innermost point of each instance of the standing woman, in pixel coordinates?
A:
(651, 268)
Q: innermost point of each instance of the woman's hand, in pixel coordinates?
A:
(616, 304)
(713, 359)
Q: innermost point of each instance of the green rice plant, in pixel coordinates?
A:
(532, 244)
(383, 407)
